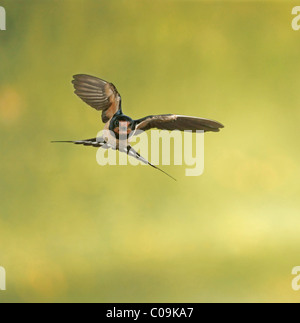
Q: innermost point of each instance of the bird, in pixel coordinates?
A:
(103, 96)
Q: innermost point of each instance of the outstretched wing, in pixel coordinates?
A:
(177, 122)
(99, 94)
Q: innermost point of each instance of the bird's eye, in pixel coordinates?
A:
(117, 123)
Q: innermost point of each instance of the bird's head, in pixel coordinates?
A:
(122, 125)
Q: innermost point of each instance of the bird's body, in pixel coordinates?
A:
(119, 128)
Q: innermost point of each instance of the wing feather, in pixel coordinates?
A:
(99, 94)
(178, 122)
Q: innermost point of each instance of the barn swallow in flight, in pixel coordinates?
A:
(103, 96)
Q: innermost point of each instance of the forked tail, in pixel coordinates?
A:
(99, 142)
(162, 171)
(133, 153)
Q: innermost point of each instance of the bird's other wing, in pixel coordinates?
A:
(177, 122)
(99, 94)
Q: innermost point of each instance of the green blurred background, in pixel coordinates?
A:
(73, 231)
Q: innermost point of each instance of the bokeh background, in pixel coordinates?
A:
(73, 231)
